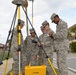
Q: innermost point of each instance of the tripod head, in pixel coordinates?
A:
(20, 2)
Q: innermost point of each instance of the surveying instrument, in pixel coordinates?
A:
(29, 70)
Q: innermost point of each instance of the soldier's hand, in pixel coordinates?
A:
(17, 53)
(39, 44)
(51, 34)
(35, 57)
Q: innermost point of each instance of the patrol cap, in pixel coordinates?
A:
(22, 22)
(42, 27)
(32, 30)
(53, 16)
(45, 23)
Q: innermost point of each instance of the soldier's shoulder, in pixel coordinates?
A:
(62, 21)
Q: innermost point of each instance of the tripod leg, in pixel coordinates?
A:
(52, 66)
(5, 67)
(13, 24)
(5, 47)
(19, 39)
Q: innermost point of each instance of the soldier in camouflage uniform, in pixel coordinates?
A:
(31, 48)
(14, 48)
(48, 32)
(47, 41)
(61, 43)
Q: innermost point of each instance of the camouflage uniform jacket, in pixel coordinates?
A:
(52, 39)
(14, 45)
(46, 41)
(31, 49)
(61, 35)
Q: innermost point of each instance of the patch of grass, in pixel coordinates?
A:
(9, 72)
(5, 55)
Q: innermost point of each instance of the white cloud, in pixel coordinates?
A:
(42, 11)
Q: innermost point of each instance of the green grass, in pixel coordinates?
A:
(5, 55)
(8, 73)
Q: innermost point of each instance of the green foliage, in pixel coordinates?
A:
(69, 35)
(9, 72)
(73, 30)
(5, 55)
(73, 46)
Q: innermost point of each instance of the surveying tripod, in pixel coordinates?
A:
(22, 3)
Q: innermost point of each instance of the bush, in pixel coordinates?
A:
(73, 46)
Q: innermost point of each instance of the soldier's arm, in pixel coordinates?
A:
(46, 41)
(25, 41)
(50, 33)
(62, 33)
(14, 43)
(14, 38)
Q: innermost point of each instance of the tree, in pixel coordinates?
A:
(69, 35)
(73, 46)
(74, 31)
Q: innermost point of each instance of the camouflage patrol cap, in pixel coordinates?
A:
(22, 22)
(32, 30)
(42, 27)
(53, 16)
(45, 23)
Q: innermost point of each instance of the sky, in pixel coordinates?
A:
(43, 10)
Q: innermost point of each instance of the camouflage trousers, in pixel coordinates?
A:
(40, 57)
(24, 61)
(61, 61)
(30, 60)
(16, 63)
